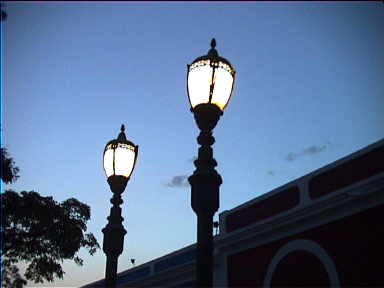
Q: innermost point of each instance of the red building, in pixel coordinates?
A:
(323, 229)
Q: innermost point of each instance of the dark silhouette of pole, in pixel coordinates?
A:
(114, 232)
(205, 183)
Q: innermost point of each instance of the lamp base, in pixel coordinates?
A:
(117, 183)
(206, 116)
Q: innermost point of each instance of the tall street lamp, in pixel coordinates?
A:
(119, 161)
(210, 84)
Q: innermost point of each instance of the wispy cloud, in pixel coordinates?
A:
(178, 181)
(311, 150)
(271, 172)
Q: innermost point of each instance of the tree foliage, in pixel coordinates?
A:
(9, 171)
(11, 276)
(42, 233)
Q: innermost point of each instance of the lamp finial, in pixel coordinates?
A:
(213, 43)
(122, 134)
(213, 52)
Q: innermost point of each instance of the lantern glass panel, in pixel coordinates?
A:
(108, 160)
(223, 82)
(199, 81)
(124, 159)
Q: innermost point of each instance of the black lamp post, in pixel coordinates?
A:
(210, 85)
(119, 161)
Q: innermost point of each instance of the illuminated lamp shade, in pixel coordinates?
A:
(210, 79)
(120, 156)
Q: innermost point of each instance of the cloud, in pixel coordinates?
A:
(178, 181)
(311, 150)
(271, 172)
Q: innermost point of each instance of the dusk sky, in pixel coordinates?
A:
(309, 90)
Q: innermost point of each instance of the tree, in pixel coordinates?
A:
(3, 15)
(41, 232)
(9, 171)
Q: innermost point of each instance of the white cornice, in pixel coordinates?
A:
(329, 208)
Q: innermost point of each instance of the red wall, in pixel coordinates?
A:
(355, 244)
(273, 205)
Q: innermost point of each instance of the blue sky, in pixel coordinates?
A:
(309, 90)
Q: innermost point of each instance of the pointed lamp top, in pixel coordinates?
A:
(213, 43)
(213, 52)
(122, 134)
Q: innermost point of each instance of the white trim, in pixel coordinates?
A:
(334, 207)
(309, 246)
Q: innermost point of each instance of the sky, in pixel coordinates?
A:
(309, 90)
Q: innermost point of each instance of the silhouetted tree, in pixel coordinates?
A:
(41, 232)
(9, 172)
(3, 15)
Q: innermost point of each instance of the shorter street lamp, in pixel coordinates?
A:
(119, 161)
(210, 84)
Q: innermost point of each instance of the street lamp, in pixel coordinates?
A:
(119, 161)
(210, 81)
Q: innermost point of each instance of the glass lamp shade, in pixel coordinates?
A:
(120, 157)
(210, 79)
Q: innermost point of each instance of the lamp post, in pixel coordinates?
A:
(210, 84)
(119, 161)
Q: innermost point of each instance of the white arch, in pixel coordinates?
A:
(309, 246)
